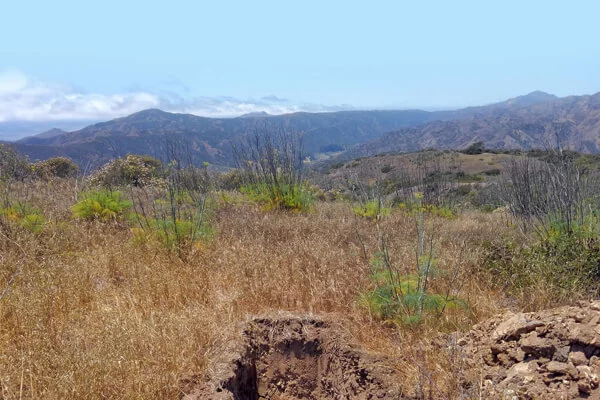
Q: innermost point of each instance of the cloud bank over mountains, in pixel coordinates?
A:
(26, 99)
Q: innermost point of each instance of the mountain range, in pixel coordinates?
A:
(536, 120)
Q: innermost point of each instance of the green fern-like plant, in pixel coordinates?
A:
(24, 215)
(372, 209)
(101, 205)
(282, 197)
(174, 234)
(399, 298)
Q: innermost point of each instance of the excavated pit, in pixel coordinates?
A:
(298, 358)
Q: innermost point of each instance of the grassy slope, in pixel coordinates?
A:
(94, 314)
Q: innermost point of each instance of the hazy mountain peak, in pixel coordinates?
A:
(535, 97)
(148, 113)
(256, 114)
(51, 133)
(46, 135)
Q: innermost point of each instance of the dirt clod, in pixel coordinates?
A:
(297, 358)
(549, 354)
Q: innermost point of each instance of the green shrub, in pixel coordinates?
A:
(397, 298)
(463, 190)
(372, 209)
(24, 215)
(386, 168)
(416, 208)
(132, 170)
(408, 297)
(59, 167)
(101, 205)
(173, 234)
(475, 148)
(563, 263)
(281, 197)
(272, 162)
(178, 212)
(492, 172)
(230, 180)
(13, 165)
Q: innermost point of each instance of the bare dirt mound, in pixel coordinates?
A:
(552, 354)
(297, 358)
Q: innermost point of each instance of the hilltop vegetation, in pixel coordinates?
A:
(130, 282)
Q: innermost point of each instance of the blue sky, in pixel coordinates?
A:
(62, 60)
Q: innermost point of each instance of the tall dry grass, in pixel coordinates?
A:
(94, 314)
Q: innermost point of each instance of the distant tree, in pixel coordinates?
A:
(59, 167)
(475, 148)
(13, 165)
(133, 170)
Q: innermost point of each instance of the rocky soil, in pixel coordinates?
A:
(552, 354)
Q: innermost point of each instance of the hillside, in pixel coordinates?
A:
(574, 120)
(149, 131)
(523, 122)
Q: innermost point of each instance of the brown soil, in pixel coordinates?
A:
(296, 358)
(552, 354)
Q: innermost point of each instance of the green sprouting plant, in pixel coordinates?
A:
(178, 214)
(173, 234)
(101, 205)
(397, 297)
(406, 297)
(24, 215)
(372, 209)
(283, 197)
(418, 208)
(565, 258)
(272, 163)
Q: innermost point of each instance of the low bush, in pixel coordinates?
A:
(281, 197)
(387, 168)
(564, 265)
(492, 172)
(24, 215)
(372, 209)
(101, 205)
(401, 298)
(57, 167)
(178, 213)
(13, 165)
(416, 208)
(272, 165)
(173, 234)
(132, 170)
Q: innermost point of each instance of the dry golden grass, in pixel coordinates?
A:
(474, 164)
(400, 166)
(92, 314)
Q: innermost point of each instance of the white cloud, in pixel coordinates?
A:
(25, 99)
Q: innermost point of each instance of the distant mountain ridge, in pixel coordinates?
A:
(210, 139)
(521, 122)
(573, 122)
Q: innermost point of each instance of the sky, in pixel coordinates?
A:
(77, 60)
